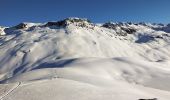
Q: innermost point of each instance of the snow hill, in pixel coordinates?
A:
(76, 59)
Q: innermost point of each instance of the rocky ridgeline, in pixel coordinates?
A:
(165, 28)
(21, 26)
(121, 29)
(76, 21)
(79, 22)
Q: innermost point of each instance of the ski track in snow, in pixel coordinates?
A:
(10, 91)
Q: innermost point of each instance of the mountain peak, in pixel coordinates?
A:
(72, 20)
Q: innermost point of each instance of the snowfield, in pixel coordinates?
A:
(78, 60)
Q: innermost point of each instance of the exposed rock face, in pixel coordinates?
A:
(63, 23)
(21, 26)
(129, 30)
(168, 25)
(142, 23)
(59, 24)
(109, 25)
(74, 20)
(149, 99)
(162, 27)
(120, 28)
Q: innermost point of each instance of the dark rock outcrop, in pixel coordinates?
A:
(21, 26)
(121, 29)
(63, 23)
(129, 30)
(165, 28)
(109, 25)
(149, 99)
(168, 25)
(59, 23)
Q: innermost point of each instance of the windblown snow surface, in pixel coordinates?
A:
(74, 59)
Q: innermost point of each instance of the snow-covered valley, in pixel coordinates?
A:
(76, 59)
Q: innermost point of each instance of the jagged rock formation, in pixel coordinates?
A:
(149, 99)
(58, 24)
(120, 28)
(63, 23)
(21, 26)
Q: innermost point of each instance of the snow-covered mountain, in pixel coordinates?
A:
(78, 60)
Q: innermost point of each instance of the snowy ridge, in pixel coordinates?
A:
(77, 55)
(2, 31)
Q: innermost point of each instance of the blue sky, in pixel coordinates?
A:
(13, 12)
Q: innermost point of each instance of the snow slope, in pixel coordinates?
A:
(2, 31)
(79, 60)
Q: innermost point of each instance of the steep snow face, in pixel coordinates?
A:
(95, 57)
